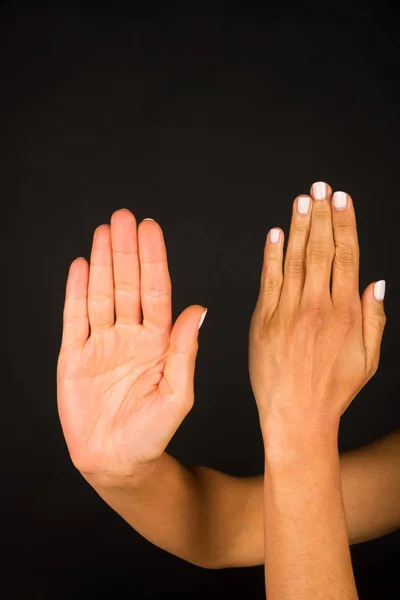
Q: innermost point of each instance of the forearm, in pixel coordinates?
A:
(307, 552)
(172, 506)
(371, 488)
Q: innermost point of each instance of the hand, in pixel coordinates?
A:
(313, 346)
(125, 384)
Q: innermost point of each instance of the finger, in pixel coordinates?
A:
(126, 268)
(271, 275)
(155, 282)
(320, 247)
(101, 283)
(345, 266)
(75, 317)
(374, 320)
(295, 258)
(180, 364)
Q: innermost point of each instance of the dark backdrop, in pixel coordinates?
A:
(210, 119)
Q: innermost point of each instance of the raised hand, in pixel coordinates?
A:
(124, 375)
(313, 342)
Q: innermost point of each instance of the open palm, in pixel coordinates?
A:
(125, 375)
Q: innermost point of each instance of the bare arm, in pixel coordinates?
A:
(307, 552)
(371, 488)
(192, 512)
(370, 479)
(215, 520)
(314, 343)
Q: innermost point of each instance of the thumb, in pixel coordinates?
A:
(182, 352)
(374, 320)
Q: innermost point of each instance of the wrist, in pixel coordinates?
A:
(299, 441)
(135, 478)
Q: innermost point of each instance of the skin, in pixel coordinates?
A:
(313, 346)
(125, 383)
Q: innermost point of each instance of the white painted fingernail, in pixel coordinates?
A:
(274, 235)
(148, 219)
(379, 289)
(319, 190)
(203, 316)
(303, 204)
(340, 199)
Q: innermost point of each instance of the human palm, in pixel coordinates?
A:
(125, 375)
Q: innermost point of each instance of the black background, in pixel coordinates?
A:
(210, 119)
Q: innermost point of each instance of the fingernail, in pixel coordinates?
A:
(274, 235)
(148, 219)
(203, 316)
(379, 289)
(319, 190)
(340, 200)
(303, 204)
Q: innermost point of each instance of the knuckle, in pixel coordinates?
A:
(301, 227)
(294, 265)
(154, 292)
(258, 325)
(320, 255)
(344, 225)
(348, 313)
(272, 277)
(273, 255)
(374, 364)
(321, 213)
(178, 347)
(380, 321)
(347, 256)
(271, 283)
(99, 297)
(315, 314)
(125, 287)
(271, 290)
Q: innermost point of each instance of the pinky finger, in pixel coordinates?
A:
(272, 274)
(374, 320)
(75, 319)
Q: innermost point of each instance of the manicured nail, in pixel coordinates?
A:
(203, 316)
(303, 204)
(340, 200)
(379, 289)
(319, 190)
(148, 219)
(274, 235)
